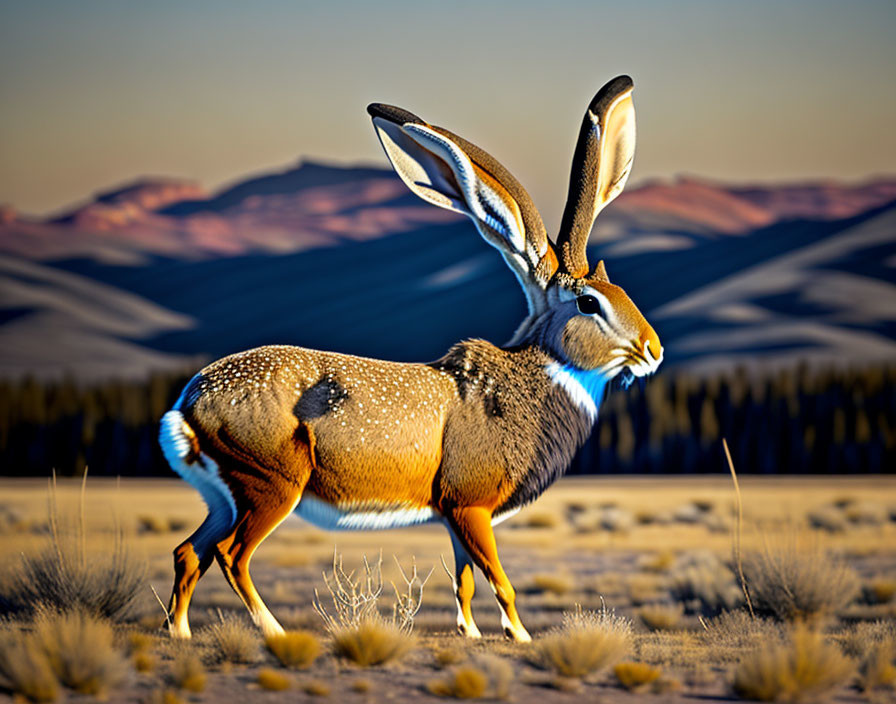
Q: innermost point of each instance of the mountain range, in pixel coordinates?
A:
(160, 274)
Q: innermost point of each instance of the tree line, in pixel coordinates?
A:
(798, 421)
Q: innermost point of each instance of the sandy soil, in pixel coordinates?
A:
(625, 542)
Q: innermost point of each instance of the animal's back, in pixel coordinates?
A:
(371, 429)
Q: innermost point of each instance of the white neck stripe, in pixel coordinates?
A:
(574, 388)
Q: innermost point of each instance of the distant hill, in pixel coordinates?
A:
(158, 273)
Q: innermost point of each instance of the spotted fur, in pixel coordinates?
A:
(467, 440)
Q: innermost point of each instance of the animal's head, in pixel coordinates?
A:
(574, 311)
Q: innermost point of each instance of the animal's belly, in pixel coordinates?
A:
(362, 515)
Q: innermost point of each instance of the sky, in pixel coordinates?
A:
(95, 94)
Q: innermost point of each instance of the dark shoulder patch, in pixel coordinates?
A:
(320, 399)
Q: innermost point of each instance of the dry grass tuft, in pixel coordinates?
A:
(188, 672)
(732, 632)
(24, 668)
(794, 584)
(139, 642)
(858, 641)
(104, 581)
(488, 677)
(297, 649)
(372, 642)
(466, 682)
(866, 513)
(164, 696)
(803, 668)
(658, 562)
(552, 584)
(144, 662)
(587, 642)
(449, 656)
(81, 651)
(316, 688)
(147, 523)
(232, 640)
(362, 686)
(829, 518)
(880, 590)
(704, 583)
(539, 520)
(877, 670)
(103, 584)
(636, 676)
(272, 680)
(661, 617)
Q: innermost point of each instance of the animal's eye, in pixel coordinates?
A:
(588, 305)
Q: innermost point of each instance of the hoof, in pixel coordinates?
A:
(520, 635)
(169, 627)
(471, 631)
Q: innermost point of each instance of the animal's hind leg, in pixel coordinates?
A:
(264, 511)
(191, 559)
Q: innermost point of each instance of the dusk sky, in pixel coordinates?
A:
(97, 93)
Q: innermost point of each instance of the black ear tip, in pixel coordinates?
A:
(399, 116)
(611, 90)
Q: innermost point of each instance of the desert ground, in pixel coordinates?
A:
(659, 552)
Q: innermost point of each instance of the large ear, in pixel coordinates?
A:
(600, 167)
(448, 171)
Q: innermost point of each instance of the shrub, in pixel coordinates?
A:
(80, 650)
(316, 688)
(540, 520)
(586, 642)
(877, 670)
(866, 513)
(486, 677)
(466, 682)
(139, 642)
(804, 667)
(144, 662)
(552, 583)
(732, 632)
(232, 640)
(661, 617)
(449, 656)
(188, 672)
(373, 642)
(861, 639)
(828, 518)
(24, 668)
(268, 678)
(298, 649)
(164, 696)
(793, 584)
(152, 524)
(616, 520)
(704, 583)
(880, 590)
(355, 599)
(66, 576)
(658, 562)
(635, 676)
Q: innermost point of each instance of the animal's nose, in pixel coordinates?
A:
(650, 342)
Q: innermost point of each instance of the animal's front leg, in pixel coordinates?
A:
(464, 587)
(473, 528)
